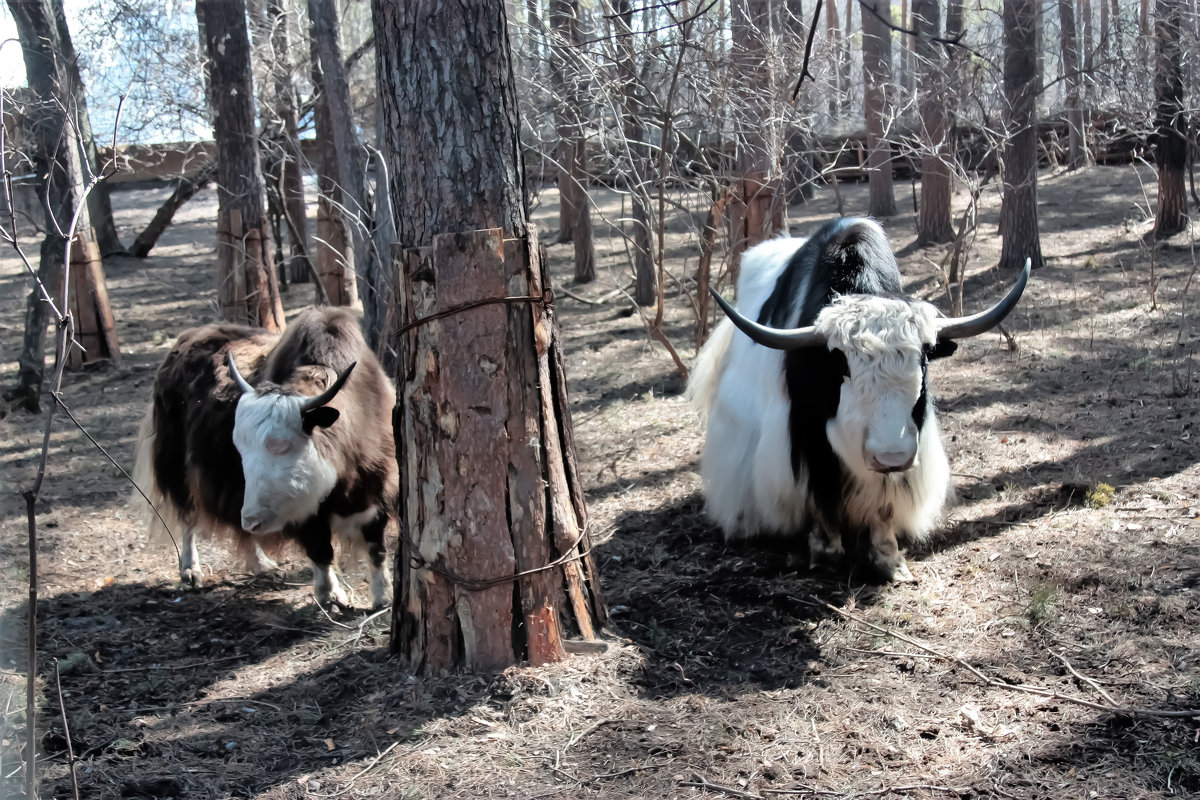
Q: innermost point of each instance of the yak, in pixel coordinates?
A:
(265, 438)
(820, 418)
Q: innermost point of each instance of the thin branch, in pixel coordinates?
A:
(808, 45)
(62, 706)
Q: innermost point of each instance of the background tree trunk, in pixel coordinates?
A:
(575, 218)
(877, 77)
(1077, 154)
(344, 255)
(759, 207)
(933, 216)
(488, 487)
(246, 286)
(645, 291)
(51, 75)
(1022, 70)
(1171, 144)
(298, 267)
(184, 190)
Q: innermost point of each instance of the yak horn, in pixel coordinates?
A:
(964, 327)
(324, 397)
(775, 338)
(237, 376)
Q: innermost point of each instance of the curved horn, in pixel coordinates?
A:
(963, 327)
(775, 338)
(324, 397)
(237, 376)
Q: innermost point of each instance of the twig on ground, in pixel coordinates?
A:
(1090, 682)
(1131, 711)
(62, 706)
(174, 667)
(813, 792)
(370, 766)
(700, 782)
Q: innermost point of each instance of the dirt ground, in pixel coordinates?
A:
(729, 671)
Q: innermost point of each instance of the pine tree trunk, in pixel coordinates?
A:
(877, 77)
(343, 260)
(758, 212)
(489, 496)
(298, 267)
(645, 292)
(99, 201)
(247, 289)
(575, 220)
(1077, 155)
(933, 216)
(1018, 210)
(1171, 143)
(57, 156)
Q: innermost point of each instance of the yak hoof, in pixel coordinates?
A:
(823, 551)
(893, 567)
(192, 577)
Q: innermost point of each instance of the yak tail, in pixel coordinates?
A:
(706, 372)
(158, 516)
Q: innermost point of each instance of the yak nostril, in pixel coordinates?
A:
(251, 525)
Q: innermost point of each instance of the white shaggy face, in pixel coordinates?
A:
(286, 478)
(883, 340)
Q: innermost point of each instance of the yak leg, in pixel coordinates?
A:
(885, 554)
(258, 562)
(189, 559)
(824, 546)
(316, 537)
(364, 532)
(372, 536)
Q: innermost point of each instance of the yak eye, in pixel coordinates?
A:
(277, 446)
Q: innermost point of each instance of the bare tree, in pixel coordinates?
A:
(933, 215)
(58, 156)
(1171, 144)
(760, 203)
(575, 220)
(1077, 153)
(247, 289)
(1022, 77)
(877, 76)
(493, 563)
(645, 291)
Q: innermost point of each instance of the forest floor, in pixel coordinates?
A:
(1049, 618)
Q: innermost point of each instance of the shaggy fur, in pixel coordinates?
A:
(336, 469)
(789, 434)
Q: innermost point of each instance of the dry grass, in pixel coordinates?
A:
(726, 674)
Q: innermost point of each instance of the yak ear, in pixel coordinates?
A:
(943, 348)
(321, 417)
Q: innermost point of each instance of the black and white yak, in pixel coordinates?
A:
(298, 449)
(820, 418)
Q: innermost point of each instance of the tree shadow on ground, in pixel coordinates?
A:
(712, 617)
(144, 673)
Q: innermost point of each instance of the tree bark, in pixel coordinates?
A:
(57, 156)
(291, 186)
(1022, 70)
(645, 290)
(933, 216)
(1171, 144)
(1077, 154)
(247, 289)
(343, 260)
(575, 219)
(185, 189)
(488, 493)
(99, 201)
(877, 77)
(759, 207)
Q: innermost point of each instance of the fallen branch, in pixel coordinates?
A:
(701, 782)
(806, 791)
(1113, 708)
